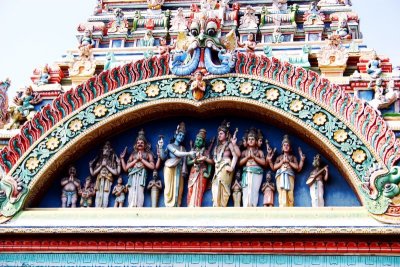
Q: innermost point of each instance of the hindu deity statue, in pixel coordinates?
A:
(104, 167)
(24, 109)
(260, 138)
(225, 158)
(249, 44)
(175, 167)
(119, 191)
(316, 180)
(378, 88)
(221, 12)
(383, 98)
(252, 160)
(70, 186)
(139, 163)
(148, 39)
(277, 36)
(26, 101)
(85, 45)
(343, 29)
(374, 68)
(155, 4)
(155, 187)
(249, 20)
(243, 143)
(179, 22)
(313, 16)
(268, 189)
(119, 24)
(285, 165)
(237, 191)
(4, 85)
(203, 48)
(200, 171)
(164, 48)
(87, 193)
(44, 76)
(198, 86)
(279, 5)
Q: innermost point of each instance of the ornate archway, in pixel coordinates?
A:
(351, 132)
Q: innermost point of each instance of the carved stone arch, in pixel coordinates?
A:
(356, 138)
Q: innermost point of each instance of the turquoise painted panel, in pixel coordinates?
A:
(114, 259)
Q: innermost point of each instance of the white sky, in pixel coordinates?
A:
(36, 32)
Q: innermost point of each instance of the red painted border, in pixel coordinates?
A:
(232, 246)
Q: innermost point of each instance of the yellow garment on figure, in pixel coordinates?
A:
(173, 180)
(221, 184)
(198, 93)
(286, 198)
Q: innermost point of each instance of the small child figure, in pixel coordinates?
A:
(87, 192)
(268, 188)
(198, 86)
(237, 191)
(155, 186)
(119, 191)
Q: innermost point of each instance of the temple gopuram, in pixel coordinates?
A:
(205, 133)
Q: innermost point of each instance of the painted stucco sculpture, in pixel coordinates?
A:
(200, 170)
(226, 154)
(140, 161)
(252, 160)
(318, 177)
(358, 133)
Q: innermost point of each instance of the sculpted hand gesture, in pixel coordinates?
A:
(92, 162)
(160, 142)
(202, 158)
(234, 140)
(251, 155)
(270, 153)
(302, 155)
(285, 159)
(123, 153)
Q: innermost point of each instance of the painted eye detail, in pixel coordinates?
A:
(194, 29)
(194, 32)
(211, 28)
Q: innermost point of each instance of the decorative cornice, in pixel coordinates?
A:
(297, 220)
(202, 245)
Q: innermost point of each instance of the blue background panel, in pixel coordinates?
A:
(337, 190)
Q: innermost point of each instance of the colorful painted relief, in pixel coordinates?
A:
(353, 131)
(299, 95)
